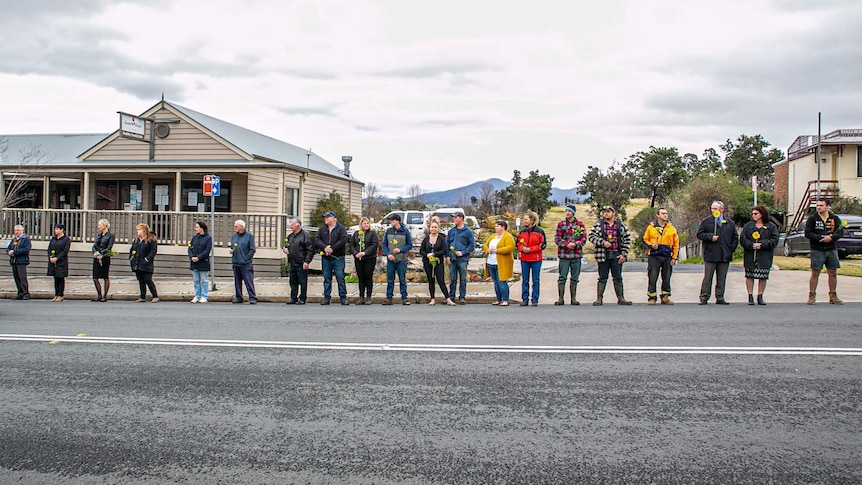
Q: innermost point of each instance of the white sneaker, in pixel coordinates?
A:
(194, 300)
(202, 300)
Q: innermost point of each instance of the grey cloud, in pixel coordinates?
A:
(328, 111)
(432, 70)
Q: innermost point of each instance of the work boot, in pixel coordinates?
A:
(561, 289)
(600, 293)
(573, 290)
(665, 300)
(833, 298)
(812, 297)
(621, 299)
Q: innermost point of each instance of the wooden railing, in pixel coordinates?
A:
(171, 228)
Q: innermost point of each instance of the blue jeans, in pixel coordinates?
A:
(569, 266)
(530, 270)
(332, 266)
(501, 288)
(201, 283)
(393, 267)
(613, 265)
(458, 273)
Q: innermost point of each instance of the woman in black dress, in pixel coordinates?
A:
(58, 260)
(758, 239)
(141, 257)
(102, 249)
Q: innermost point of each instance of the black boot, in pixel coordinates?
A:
(561, 290)
(573, 290)
(621, 299)
(760, 300)
(751, 299)
(600, 294)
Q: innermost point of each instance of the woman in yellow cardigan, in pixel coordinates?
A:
(500, 248)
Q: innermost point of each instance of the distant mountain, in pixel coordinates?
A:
(452, 196)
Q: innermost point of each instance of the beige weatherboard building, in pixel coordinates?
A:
(80, 178)
(840, 170)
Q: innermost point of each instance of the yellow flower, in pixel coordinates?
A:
(285, 240)
(755, 235)
(133, 252)
(235, 244)
(716, 214)
(395, 242)
(844, 223)
(453, 247)
(361, 232)
(190, 244)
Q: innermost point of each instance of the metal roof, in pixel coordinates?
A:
(263, 146)
(57, 149)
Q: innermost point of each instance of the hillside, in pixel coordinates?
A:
(452, 196)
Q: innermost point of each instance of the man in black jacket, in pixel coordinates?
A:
(299, 249)
(19, 257)
(822, 229)
(331, 241)
(719, 238)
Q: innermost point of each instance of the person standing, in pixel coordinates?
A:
(58, 260)
(331, 241)
(719, 238)
(433, 251)
(142, 256)
(363, 246)
(461, 243)
(531, 242)
(102, 249)
(822, 229)
(396, 243)
(18, 250)
(299, 249)
(200, 248)
(662, 242)
(613, 241)
(242, 251)
(570, 237)
(758, 240)
(500, 249)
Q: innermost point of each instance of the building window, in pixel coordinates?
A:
(118, 195)
(859, 160)
(291, 201)
(193, 199)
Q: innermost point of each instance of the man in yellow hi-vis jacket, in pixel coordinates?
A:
(662, 240)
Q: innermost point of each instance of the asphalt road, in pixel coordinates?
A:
(428, 395)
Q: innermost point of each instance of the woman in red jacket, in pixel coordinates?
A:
(531, 242)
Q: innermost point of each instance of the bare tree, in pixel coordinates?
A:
(372, 200)
(416, 193)
(13, 184)
(486, 199)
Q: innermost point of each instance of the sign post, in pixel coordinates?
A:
(754, 187)
(212, 189)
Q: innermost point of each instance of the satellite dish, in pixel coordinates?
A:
(162, 130)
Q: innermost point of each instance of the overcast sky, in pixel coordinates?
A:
(448, 92)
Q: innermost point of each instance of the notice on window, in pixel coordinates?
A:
(193, 199)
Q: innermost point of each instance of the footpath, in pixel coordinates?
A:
(783, 287)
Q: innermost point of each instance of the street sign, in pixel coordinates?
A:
(212, 185)
(208, 185)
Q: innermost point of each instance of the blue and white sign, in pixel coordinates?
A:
(216, 187)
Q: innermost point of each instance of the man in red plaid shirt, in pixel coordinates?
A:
(570, 237)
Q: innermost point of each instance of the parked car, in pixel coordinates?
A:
(796, 242)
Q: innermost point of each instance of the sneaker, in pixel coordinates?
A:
(535, 303)
(345, 302)
(523, 303)
(721, 302)
(252, 301)
(203, 300)
(324, 302)
(462, 301)
(195, 300)
(236, 301)
(291, 302)
(405, 302)
(387, 302)
(301, 302)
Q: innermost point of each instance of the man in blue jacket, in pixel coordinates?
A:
(460, 242)
(331, 242)
(242, 259)
(19, 257)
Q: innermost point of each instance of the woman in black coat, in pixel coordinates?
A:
(364, 244)
(141, 258)
(58, 260)
(433, 252)
(758, 240)
(200, 248)
(102, 248)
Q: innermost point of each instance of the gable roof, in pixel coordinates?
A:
(261, 146)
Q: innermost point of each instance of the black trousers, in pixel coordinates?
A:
(145, 280)
(658, 266)
(19, 272)
(59, 286)
(365, 274)
(298, 278)
(438, 274)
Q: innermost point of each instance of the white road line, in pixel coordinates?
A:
(551, 349)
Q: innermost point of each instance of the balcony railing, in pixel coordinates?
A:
(171, 228)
